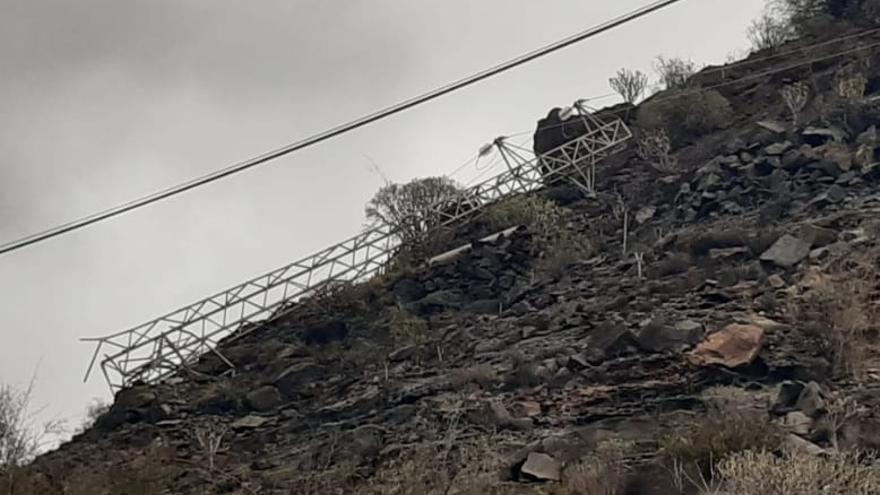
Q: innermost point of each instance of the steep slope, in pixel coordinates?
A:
(748, 282)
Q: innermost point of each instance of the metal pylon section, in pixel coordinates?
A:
(161, 348)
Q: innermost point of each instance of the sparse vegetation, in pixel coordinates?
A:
(685, 113)
(764, 473)
(654, 147)
(603, 472)
(21, 437)
(406, 328)
(852, 88)
(698, 448)
(629, 84)
(839, 309)
(675, 73)
(94, 411)
(769, 31)
(555, 244)
(795, 97)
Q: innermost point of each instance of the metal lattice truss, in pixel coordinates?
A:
(160, 348)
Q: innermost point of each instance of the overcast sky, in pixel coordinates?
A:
(105, 100)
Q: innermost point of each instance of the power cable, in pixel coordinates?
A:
(336, 131)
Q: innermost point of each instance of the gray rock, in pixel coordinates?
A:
(608, 342)
(295, 378)
(541, 467)
(264, 399)
(249, 422)
(772, 126)
(796, 158)
(408, 290)
(786, 397)
(134, 398)
(404, 353)
(663, 338)
(736, 145)
(787, 251)
(798, 423)
(483, 306)
(437, 301)
(777, 149)
(869, 137)
(776, 281)
(832, 133)
(833, 195)
(645, 214)
(810, 400)
(817, 236)
(795, 444)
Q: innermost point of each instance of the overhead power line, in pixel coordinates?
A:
(336, 131)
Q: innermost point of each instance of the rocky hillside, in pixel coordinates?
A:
(738, 320)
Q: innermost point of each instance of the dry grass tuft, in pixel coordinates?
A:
(761, 473)
(840, 310)
(698, 448)
(603, 472)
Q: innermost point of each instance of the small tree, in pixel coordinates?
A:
(675, 73)
(630, 85)
(411, 209)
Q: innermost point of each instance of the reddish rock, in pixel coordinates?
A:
(733, 346)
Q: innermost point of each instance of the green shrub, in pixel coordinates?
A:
(406, 328)
(685, 113)
(539, 215)
(556, 245)
(409, 209)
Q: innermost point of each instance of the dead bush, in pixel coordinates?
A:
(685, 113)
(467, 467)
(629, 84)
(769, 31)
(654, 147)
(795, 96)
(840, 311)
(675, 73)
(763, 473)
(697, 449)
(603, 472)
(21, 437)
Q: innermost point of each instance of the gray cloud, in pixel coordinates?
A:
(105, 100)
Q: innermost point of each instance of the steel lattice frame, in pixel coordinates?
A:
(158, 349)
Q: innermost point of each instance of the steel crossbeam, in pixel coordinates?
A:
(160, 348)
